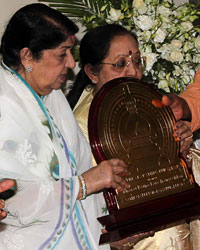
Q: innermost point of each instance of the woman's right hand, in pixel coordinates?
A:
(183, 133)
(108, 174)
(178, 105)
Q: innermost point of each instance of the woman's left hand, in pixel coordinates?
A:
(183, 133)
(4, 185)
(129, 242)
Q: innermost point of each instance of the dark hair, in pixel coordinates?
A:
(37, 27)
(94, 48)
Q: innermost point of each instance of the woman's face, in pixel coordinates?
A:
(50, 72)
(123, 50)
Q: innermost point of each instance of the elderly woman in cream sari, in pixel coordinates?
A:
(109, 52)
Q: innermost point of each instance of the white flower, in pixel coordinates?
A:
(140, 6)
(114, 14)
(160, 36)
(177, 71)
(185, 78)
(197, 42)
(165, 33)
(187, 25)
(192, 73)
(163, 84)
(163, 11)
(188, 58)
(151, 58)
(185, 68)
(148, 49)
(166, 22)
(165, 50)
(176, 56)
(187, 46)
(161, 75)
(196, 59)
(146, 35)
(144, 22)
(176, 43)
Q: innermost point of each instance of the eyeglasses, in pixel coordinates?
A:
(139, 63)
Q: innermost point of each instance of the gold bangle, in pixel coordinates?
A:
(129, 244)
(189, 137)
(80, 184)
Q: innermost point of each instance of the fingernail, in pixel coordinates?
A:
(176, 138)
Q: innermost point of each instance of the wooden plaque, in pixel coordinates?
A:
(123, 123)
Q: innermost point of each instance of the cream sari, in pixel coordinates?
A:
(177, 237)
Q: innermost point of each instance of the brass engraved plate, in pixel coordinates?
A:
(127, 126)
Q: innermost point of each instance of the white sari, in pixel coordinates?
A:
(43, 149)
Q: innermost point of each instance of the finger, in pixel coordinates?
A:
(6, 184)
(181, 125)
(117, 162)
(185, 145)
(167, 100)
(120, 170)
(182, 131)
(157, 103)
(104, 231)
(119, 167)
(120, 184)
(2, 204)
(3, 215)
(186, 136)
(182, 135)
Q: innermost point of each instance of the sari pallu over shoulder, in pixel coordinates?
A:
(44, 212)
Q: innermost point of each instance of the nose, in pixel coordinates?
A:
(131, 70)
(70, 62)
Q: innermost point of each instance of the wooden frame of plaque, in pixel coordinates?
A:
(123, 123)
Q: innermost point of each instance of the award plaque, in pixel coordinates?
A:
(123, 123)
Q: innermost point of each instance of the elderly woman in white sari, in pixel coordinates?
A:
(42, 147)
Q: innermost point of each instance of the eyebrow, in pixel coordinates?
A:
(66, 47)
(127, 55)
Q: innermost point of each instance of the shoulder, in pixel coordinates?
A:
(86, 98)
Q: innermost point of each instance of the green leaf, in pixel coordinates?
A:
(104, 7)
(92, 13)
(78, 8)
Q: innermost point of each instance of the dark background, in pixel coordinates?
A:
(197, 2)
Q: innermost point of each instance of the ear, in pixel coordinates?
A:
(26, 57)
(90, 73)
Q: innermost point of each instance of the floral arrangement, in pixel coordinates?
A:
(166, 34)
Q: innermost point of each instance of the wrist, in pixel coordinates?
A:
(83, 187)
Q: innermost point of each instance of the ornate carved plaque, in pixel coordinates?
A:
(123, 123)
